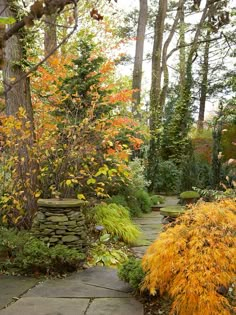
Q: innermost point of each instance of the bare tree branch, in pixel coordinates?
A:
(190, 44)
(35, 67)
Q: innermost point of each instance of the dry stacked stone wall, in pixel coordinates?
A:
(61, 222)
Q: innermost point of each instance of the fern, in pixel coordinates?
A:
(193, 259)
(117, 222)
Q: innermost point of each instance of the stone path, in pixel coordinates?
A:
(151, 226)
(95, 291)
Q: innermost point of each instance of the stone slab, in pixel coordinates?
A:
(59, 288)
(151, 227)
(13, 286)
(148, 221)
(101, 277)
(119, 306)
(154, 215)
(60, 203)
(139, 251)
(47, 306)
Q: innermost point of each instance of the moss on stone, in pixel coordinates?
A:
(189, 195)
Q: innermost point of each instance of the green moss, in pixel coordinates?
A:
(189, 195)
(172, 211)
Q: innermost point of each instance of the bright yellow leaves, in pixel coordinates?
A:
(193, 259)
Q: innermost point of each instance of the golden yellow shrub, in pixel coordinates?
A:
(195, 258)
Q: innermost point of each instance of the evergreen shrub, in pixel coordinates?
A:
(131, 271)
(167, 177)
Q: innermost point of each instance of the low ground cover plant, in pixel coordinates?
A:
(131, 271)
(21, 252)
(194, 261)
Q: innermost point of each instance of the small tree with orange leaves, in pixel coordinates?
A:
(194, 260)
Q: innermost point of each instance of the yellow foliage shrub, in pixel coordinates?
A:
(195, 258)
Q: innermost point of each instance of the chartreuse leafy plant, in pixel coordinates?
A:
(195, 259)
(106, 255)
(116, 221)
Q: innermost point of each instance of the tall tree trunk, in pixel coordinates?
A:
(165, 71)
(50, 34)
(204, 83)
(156, 112)
(182, 51)
(18, 96)
(138, 61)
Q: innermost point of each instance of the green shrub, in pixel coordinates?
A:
(137, 171)
(167, 177)
(128, 199)
(27, 254)
(195, 172)
(131, 271)
(189, 195)
(132, 193)
(116, 221)
(143, 200)
(157, 200)
(119, 200)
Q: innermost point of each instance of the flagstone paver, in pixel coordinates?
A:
(151, 226)
(95, 291)
(47, 306)
(13, 286)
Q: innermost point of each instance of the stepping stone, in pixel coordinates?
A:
(148, 221)
(72, 289)
(101, 277)
(140, 251)
(47, 306)
(119, 306)
(151, 227)
(14, 286)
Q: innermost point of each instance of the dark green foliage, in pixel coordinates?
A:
(136, 201)
(195, 172)
(132, 272)
(119, 200)
(84, 82)
(26, 254)
(167, 177)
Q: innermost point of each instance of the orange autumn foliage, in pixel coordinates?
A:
(194, 259)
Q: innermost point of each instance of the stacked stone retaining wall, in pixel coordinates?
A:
(61, 222)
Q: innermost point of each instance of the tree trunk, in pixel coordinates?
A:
(204, 83)
(50, 34)
(138, 62)
(18, 96)
(156, 112)
(182, 51)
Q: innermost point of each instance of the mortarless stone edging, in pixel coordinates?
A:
(61, 222)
